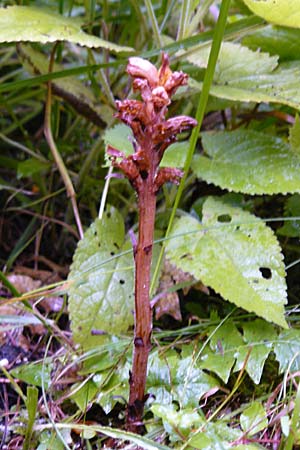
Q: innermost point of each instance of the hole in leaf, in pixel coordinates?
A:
(116, 245)
(108, 215)
(112, 253)
(122, 281)
(186, 255)
(266, 272)
(223, 218)
(237, 228)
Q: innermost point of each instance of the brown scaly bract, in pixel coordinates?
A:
(147, 119)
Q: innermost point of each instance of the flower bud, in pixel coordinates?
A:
(141, 68)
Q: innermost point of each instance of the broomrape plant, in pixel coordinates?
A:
(153, 133)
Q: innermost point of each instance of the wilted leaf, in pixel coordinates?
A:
(101, 290)
(254, 419)
(236, 254)
(281, 12)
(168, 302)
(69, 88)
(248, 161)
(35, 24)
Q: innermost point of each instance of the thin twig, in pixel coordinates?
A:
(55, 153)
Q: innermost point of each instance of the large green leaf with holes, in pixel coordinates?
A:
(101, 282)
(248, 161)
(281, 12)
(36, 24)
(236, 254)
(250, 76)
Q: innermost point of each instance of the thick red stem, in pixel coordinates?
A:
(143, 312)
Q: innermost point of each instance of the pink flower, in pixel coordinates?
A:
(153, 133)
(141, 68)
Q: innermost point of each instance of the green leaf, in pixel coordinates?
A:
(175, 155)
(31, 405)
(281, 12)
(174, 378)
(224, 345)
(34, 24)
(69, 88)
(120, 137)
(32, 374)
(48, 440)
(236, 254)
(291, 228)
(31, 166)
(101, 282)
(282, 85)
(259, 337)
(228, 349)
(217, 436)
(287, 350)
(254, 419)
(235, 61)
(248, 161)
(177, 423)
(113, 385)
(183, 422)
(84, 394)
(143, 442)
(275, 40)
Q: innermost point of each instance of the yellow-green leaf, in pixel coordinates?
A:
(236, 254)
(281, 12)
(251, 76)
(248, 161)
(35, 24)
(101, 282)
